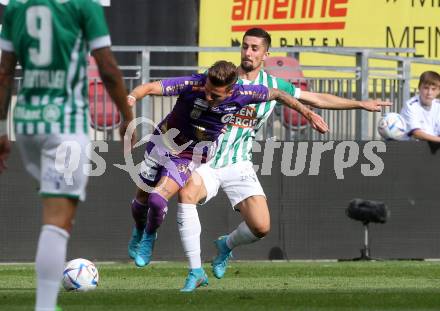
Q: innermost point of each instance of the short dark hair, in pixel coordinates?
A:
(223, 73)
(259, 33)
(430, 78)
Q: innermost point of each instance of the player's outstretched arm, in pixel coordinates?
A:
(139, 92)
(328, 101)
(422, 135)
(112, 78)
(315, 120)
(7, 71)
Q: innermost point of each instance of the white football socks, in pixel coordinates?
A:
(190, 229)
(49, 264)
(242, 235)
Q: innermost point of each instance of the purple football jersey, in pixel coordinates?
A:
(193, 116)
(189, 132)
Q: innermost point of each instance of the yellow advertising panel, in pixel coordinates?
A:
(334, 23)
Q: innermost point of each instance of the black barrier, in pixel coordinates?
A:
(307, 203)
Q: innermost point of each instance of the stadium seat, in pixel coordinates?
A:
(104, 115)
(288, 68)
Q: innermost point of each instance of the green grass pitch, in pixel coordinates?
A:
(393, 285)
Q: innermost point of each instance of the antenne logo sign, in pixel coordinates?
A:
(289, 15)
(333, 23)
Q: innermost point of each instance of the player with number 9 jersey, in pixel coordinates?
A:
(50, 40)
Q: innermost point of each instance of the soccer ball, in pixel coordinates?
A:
(392, 126)
(80, 275)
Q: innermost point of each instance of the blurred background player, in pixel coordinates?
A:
(204, 105)
(422, 112)
(50, 39)
(231, 167)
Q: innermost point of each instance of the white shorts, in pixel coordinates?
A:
(58, 162)
(238, 181)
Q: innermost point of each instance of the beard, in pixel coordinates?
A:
(247, 66)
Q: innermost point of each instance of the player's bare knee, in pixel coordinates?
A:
(260, 230)
(59, 212)
(187, 196)
(63, 223)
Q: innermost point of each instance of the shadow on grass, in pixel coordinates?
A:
(206, 299)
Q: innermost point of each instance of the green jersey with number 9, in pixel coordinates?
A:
(51, 39)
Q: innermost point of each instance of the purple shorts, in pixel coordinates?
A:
(178, 164)
(178, 169)
(159, 162)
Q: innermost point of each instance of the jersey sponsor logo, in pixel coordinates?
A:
(254, 94)
(193, 82)
(242, 122)
(227, 118)
(246, 118)
(51, 113)
(182, 168)
(179, 87)
(217, 109)
(172, 89)
(195, 113)
(21, 113)
(231, 106)
(48, 113)
(199, 106)
(248, 112)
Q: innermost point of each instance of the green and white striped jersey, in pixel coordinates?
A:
(235, 145)
(50, 39)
